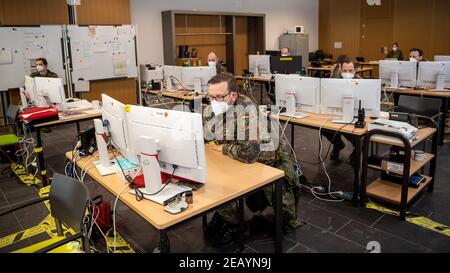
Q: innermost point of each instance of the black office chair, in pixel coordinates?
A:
(428, 107)
(69, 199)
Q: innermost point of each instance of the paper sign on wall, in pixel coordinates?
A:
(337, 44)
(120, 62)
(6, 56)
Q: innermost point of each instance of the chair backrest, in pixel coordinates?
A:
(429, 107)
(68, 201)
(11, 113)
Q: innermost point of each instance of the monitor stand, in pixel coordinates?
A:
(348, 107)
(440, 83)
(394, 81)
(154, 189)
(104, 166)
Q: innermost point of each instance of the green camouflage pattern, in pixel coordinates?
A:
(49, 74)
(249, 151)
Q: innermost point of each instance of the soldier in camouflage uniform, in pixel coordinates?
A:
(42, 70)
(232, 124)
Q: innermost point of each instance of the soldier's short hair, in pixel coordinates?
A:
(224, 77)
(44, 60)
(418, 50)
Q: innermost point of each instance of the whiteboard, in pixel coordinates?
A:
(25, 44)
(103, 52)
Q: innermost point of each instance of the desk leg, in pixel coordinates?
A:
(293, 136)
(241, 224)
(78, 127)
(164, 243)
(262, 91)
(41, 162)
(278, 216)
(204, 222)
(443, 122)
(357, 169)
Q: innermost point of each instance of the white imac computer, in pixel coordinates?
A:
(196, 78)
(442, 58)
(52, 91)
(297, 94)
(259, 65)
(341, 97)
(437, 73)
(30, 92)
(172, 77)
(113, 113)
(398, 73)
(168, 142)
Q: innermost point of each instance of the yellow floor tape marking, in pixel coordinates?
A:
(48, 226)
(420, 221)
(121, 245)
(430, 224)
(24, 177)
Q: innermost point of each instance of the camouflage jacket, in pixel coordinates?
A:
(49, 74)
(238, 131)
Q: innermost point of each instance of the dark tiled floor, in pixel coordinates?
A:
(329, 227)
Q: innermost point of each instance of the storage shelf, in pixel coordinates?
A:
(421, 136)
(415, 165)
(392, 192)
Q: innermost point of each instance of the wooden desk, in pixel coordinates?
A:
(443, 96)
(317, 121)
(85, 115)
(184, 96)
(228, 180)
(330, 69)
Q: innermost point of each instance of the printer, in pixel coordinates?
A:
(151, 76)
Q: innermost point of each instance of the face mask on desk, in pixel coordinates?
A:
(347, 75)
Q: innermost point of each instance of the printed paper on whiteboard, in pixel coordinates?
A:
(33, 53)
(120, 62)
(99, 46)
(6, 56)
(124, 32)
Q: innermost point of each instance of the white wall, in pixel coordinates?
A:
(280, 15)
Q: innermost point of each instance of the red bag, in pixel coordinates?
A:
(39, 114)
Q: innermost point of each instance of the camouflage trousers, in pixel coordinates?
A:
(259, 201)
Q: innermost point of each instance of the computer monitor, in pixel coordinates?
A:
(333, 92)
(306, 90)
(52, 89)
(197, 78)
(442, 58)
(398, 73)
(179, 138)
(286, 65)
(259, 64)
(437, 73)
(172, 76)
(113, 115)
(273, 52)
(30, 91)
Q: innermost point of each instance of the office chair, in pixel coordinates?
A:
(8, 136)
(428, 107)
(69, 199)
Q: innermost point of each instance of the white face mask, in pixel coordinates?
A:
(394, 49)
(412, 60)
(347, 75)
(211, 63)
(40, 68)
(219, 108)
